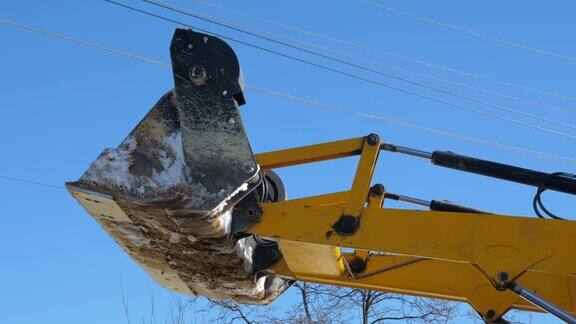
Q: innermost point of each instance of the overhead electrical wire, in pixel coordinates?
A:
(498, 145)
(413, 126)
(469, 31)
(147, 60)
(375, 82)
(423, 75)
(31, 182)
(398, 56)
(80, 42)
(362, 59)
(241, 28)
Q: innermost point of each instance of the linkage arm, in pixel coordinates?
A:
(460, 255)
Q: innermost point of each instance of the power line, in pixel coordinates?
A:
(81, 42)
(521, 150)
(424, 75)
(492, 92)
(242, 29)
(31, 182)
(469, 31)
(369, 116)
(375, 82)
(401, 57)
(413, 126)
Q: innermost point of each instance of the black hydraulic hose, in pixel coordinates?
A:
(557, 181)
(435, 205)
(447, 206)
(562, 182)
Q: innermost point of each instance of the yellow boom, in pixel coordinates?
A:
(455, 256)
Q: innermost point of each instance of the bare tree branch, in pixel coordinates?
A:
(323, 304)
(124, 302)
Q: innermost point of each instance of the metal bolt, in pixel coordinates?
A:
(346, 225)
(490, 314)
(252, 213)
(357, 265)
(503, 276)
(198, 75)
(372, 139)
(377, 189)
(248, 168)
(501, 281)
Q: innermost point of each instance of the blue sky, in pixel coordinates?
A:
(62, 104)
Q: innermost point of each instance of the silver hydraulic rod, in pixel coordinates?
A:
(410, 200)
(435, 205)
(543, 303)
(406, 150)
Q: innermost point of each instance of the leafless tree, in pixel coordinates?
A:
(512, 317)
(179, 306)
(124, 301)
(376, 307)
(229, 312)
(177, 312)
(327, 304)
(315, 303)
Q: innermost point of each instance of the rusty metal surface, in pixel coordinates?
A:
(177, 254)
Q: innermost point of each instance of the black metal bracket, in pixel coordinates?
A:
(265, 254)
(245, 214)
(207, 95)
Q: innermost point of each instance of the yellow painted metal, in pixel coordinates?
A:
(374, 201)
(454, 256)
(482, 244)
(337, 198)
(318, 259)
(311, 153)
(322, 260)
(497, 243)
(445, 280)
(363, 254)
(362, 178)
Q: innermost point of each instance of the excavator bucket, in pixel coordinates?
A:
(178, 191)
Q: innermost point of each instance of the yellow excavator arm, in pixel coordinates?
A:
(483, 259)
(186, 198)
